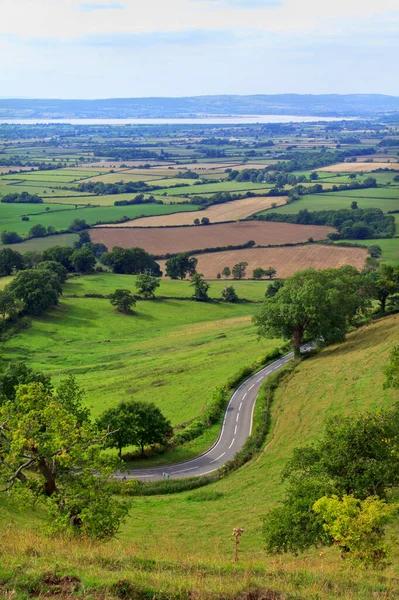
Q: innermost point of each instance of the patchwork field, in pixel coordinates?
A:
(162, 240)
(218, 213)
(360, 166)
(285, 260)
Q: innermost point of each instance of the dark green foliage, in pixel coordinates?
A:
(10, 260)
(132, 261)
(200, 286)
(23, 198)
(273, 288)
(318, 304)
(61, 254)
(384, 284)
(37, 231)
(146, 285)
(178, 267)
(18, 373)
(229, 294)
(356, 455)
(83, 260)
(84, 238)
(139, 424)
(8, 305)
(10, 237)
(55, 267)
(123, 300)
(352, 223)
(78, 225)
(374, 251)
(239, 270)
(37, 289)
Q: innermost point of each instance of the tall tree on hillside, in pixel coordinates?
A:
(318, 304)
(37, 289)
(200, 286)
(239, 270)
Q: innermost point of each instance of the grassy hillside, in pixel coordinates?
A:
(172, 352)
(182, 542)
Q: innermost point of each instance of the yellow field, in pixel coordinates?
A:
(219, 213)
(285, 260)
(358, 166)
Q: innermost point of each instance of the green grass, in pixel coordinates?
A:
(390, 249)
(106, 283)
(40, 244)
(172, 352)
(62, 218)
(183, 541)
(333, 201)
(212, 188)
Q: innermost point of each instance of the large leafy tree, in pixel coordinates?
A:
(200, 286)
(37, 289)
(132, 261)
(83, 260)
(123, 300)
(384, 284)
(138, 424)
(178, 267)
(355, 456)
(48, 452)
(318, 304)
(61, 254)
(10, 260)
(146, 285)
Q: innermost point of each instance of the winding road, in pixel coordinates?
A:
(236, 428)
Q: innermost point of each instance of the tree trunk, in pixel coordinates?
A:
(50, 485)
(296, 341)
(142, 448)
(120, 452)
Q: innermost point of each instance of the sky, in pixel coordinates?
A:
(138, 48)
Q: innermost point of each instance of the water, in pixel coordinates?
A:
(218, 120)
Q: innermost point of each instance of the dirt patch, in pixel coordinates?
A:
(358, 167)
(285, 260)
(162, 240)
(219, 213)
(51, 585)
(261, 595)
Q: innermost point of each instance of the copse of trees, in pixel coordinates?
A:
(99, 188)
(10, 237)
(356, 457)
(37, 289)
(137, 424)
(139, 199)
(10, 261)
(131, 261)
(22, 198)
(259, 272)
(314, 304)
(357, 223)
(178, 267)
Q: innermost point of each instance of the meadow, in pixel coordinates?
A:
(116, 356)
(181, 543)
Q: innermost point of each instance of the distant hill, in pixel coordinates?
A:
(332, 105)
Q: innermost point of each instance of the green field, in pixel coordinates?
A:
(40, 244)
(172, 352)
(336, 201)
(212, 188)
(63, 217)
(106, 283)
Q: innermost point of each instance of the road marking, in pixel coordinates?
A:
(137, 476)
(232, 443)
(184, 470)
(219, 457)
(238, 416)
(252, 386)
(244, 396)
(240, 406)
(259, 379)
(235, 430)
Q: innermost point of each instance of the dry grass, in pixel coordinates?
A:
(162, 240)
(219, 213)
(285, 260)
(360, 166)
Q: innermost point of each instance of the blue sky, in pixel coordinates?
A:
(110, 48)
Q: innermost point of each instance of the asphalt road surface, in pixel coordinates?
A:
(236, 428)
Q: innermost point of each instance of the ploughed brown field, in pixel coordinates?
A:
(285, 260)
(219, 213)
(162, 240)
(357, 167)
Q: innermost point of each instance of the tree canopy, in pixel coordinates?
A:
(318, 304)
